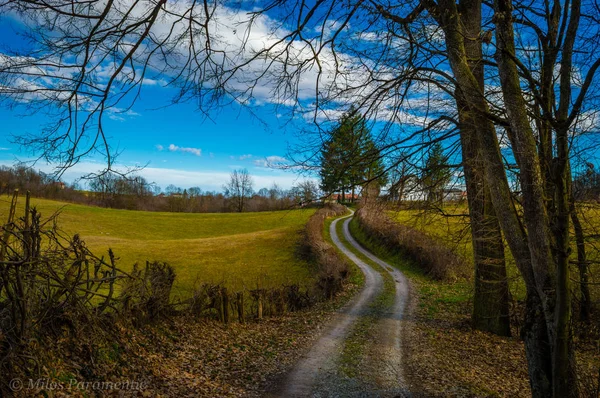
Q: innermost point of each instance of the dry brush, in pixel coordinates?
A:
(435, 259)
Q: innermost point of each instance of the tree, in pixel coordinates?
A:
(195, 192)
(417, 63)
(539, 243)
(172, 189)
(370, 168)
(264, 192)
(335, 156)
(436, 173)
(350, 157)
(308, 191)
(239, 189)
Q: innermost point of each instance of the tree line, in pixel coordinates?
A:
(133, 192)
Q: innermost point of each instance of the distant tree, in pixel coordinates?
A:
(398, 177)
(586, 186)
(118, 191)
(308, 191)
(436, 173)
(172, 189)
(371, 168)
(275, 192)
(194, 192)
(239, 188)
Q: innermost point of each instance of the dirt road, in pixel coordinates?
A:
(319, 374)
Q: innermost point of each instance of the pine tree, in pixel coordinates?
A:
(436, 173)
(350, 158)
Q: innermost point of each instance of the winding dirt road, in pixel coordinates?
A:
(318, 373)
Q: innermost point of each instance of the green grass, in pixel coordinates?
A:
(237, 249)
(453, 230)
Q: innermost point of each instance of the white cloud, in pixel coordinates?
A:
(237, 35)
(116, 117)
(193, 151)
(160, 147)
(270, 161)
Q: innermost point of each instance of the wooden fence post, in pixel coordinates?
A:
(221, 308)
(240, 303)
(8, 227)
(225, 301)
(283, 304)
(260, 305)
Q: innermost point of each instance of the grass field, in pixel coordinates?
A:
(237, 249)
(452, 228)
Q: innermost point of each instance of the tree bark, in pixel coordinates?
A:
(582, 265)
(549, 262)
(490, 301)
(529, 263)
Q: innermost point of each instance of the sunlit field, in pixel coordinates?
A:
(451, 225)
(240, 250)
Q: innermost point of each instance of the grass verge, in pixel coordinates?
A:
(236, 249)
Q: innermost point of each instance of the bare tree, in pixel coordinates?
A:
(309, 191)
(239, 188)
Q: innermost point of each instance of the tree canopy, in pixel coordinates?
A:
(350, 158)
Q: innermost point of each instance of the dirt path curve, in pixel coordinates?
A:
(317, 374)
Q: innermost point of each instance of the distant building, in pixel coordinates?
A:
(337, 197)
(454, 194)
(413, 191)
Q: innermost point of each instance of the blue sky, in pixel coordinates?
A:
(182, 147)
(195, 151)
(177, 143)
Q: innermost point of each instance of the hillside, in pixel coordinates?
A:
(237, 249)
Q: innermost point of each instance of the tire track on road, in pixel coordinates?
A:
(316, 374)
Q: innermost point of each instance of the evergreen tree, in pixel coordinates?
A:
(350, 157)
(436, 173)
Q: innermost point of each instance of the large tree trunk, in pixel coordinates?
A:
(585, 306)
(490, 302)
(533, 264)
(549, 263)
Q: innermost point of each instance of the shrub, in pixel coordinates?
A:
(436, 260)
(332, 269)
(50, 286)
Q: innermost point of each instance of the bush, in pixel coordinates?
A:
(438, 261)
(332, 269)
(50, 286)
(146, 295)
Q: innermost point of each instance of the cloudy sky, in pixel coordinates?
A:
(176, 143)
(179, 145)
